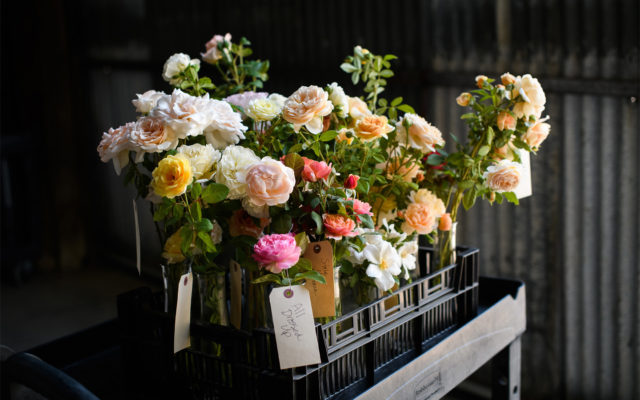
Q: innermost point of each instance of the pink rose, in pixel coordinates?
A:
(361, 207)
(351, 182)
(315, 170)
(213, 54)
(506, 121)
(336, 226)
(269, 182)
(277, 252)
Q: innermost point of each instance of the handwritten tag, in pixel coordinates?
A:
(235, 277)
(137, 224)
(293, 324)
(182, 339)
(322, 295)
(524, 188)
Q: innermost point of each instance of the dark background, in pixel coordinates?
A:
(69, 71)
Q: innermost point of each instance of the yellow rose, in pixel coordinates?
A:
(262, 110)
(172, 176)
(172, 252)
(372, 127)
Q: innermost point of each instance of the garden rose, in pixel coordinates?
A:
(269, 182)
(242, 100)
(537, 133)
(213, 54)
(393, 167)
(361, 207)
(225, 127)
(277, 252)
(202, 159)
(172, 248)
(463, 99)
(313, 171)
(351, 182)
(507, 79)
(371, 127)
(422, 135)
(480, 80)
(232, 170)
(419, 217)
(115, 145)
(151, 135)
(339, 99)
(506, 121)
(358, 108)
(278, 100)
(532, 96)
(336, 226)
(503, 177)
(186, 115)
(147, 101)
(306, 107)
(172, 176)
(262, 110)
(176, 64)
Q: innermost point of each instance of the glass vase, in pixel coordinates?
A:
(445, 247)
(258, 312)
(212, 297)
(171, 274)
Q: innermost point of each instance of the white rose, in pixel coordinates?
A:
(115, 146)
(262, 110)
(176, 64)
(255, 210)
(384, 264)
(232, 169)
(147, 101)
(202, 158)
(216, 233)
(186, 115)
(338, 98)
(151, 135)
(278, 99)
(225, 127)
(534, 99)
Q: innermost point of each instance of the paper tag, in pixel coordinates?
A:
(182, 339)
(524, 189)
(294, 328)
(393, 300)
(235, 277)
(322, 295)
(137, 224)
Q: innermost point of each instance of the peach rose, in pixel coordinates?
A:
(537, 133)
(463, 99)
(408, 172)
(358, 108)
(422, 135)
(503, 177)
(531, 95)
(306, 107)
(336, 226)
(172, 176)
(115, 145)
(372, 127)
(269, 182)
(507, 79)
(151, 135)
(506, 121)
(419, 217)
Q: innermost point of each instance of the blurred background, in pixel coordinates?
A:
(70, 70)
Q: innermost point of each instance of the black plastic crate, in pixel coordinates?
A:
(357, 349)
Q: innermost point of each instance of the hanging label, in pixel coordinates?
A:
(393, 300)
(137, 225)
(524, 188)
(322, 295)
(235, 278)
(294, 328)
(181, 338)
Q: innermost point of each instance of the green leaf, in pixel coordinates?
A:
(386, 73)
(363, 186)
(214, 193)
(406, 108)
(464, 185)
(366, 221)
(468, 116)
(382, 102)
(302, 240)
(393, 114)
(269, 277)
(204, 237)
(355, 78)
(296, 148)
(196, 189)
(282, 223)
(469, 198)
(303, 264)
(511, 198)
(490, 136)
(313, 275)
(318, 220)
(186, 234)
(483, 151)
(396, 102)
(389, 57)
(328, 135)
(348, 68)
(435, 159)
(204, 225)
(316, 149)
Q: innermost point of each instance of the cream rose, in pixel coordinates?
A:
(186, 115)
(339, 99)
(269, 182)
(176, 64)
(537, 133)
(278, 100)
(503, 177)
(422, 135)
(213, 54)
(232, 169)
(225, 127)
(151, 135)
(306, 107)
(372, 127)
(147, 101)
(203, 159)
(115, 145)
(358, 108)
(532, 96)
(262, 110)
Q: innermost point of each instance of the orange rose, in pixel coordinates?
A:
(372, 127)
(445, 222)
(419, 217)
(336, 226)
(463, 99)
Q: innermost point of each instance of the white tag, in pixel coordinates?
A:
(137, 224)
(235, 278)
(293, 324)
(524, 189)
(182, 339)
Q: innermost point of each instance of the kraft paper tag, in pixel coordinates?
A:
(182, 339)
(294, 328)
(393, 300)
(524, 188)
(322, 295)
(235, 277)
(137, 225)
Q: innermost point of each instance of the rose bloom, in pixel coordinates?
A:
(176, 64)
(213, 54)
(277, 252)
(372, 127)
(537, 133)
(463, 99)
(202, 159)
(339, 99)
(242, 100)
(336, 226)
(262, 110)
(504, 152)
(278, 100)
(506, 121)
(424, 196)
(503, 177)
(351, 182)
(313, 171)
(232, 170)
(151, 135)
(361, 207)
(172, 251)
(186, 115)
(532, 96)
(480, 80)
(507, 79)
(269, 182)
(172, 176)
(115, 145)
(147, 101)
(419, 217)
(306, 107)
(358, 108)
(241, 224)
(226, 127)
(422, 135)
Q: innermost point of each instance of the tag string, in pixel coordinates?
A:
(289, 292)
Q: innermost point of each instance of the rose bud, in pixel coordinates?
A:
(463, 99)
(315, 170)
(351, 182)
(445, 222)
(480, 80)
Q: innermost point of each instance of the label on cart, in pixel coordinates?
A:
(235, 278)
(524, 188)
(294, 327)
(322, 295)
(181, 338)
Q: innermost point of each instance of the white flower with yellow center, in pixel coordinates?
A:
(408, 253)
(384, 264)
